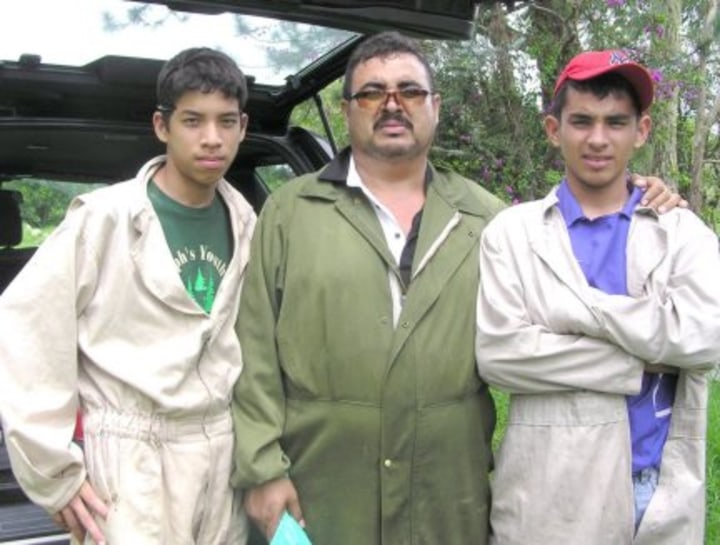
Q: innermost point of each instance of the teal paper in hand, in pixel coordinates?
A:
(289, 532)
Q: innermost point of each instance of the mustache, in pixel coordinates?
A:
(393, 116)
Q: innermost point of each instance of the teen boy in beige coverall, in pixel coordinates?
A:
(101, 319)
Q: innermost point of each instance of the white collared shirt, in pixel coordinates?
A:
(394, 234)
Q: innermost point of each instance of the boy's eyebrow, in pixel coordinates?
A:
(618, 117)
(575, 116)
(611, 117)
(190, 111)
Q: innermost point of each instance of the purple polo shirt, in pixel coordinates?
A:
(599, 247)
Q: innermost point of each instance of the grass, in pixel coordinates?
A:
(501, 409)
(712, 518)
(712, 525)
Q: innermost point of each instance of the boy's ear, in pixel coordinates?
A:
(552, 126)
(643, 132)
(161, 129)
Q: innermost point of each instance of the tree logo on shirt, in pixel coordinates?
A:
(201, 271)
(202, 290)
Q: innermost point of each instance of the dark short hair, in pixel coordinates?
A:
(600, 86)
(384, 44)
(199, 69)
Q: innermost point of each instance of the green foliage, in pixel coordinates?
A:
(33, 236)
(43, 205)
(273, 176)
(485, 133)
(553, 177)
(306, 114)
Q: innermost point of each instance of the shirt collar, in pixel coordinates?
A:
(631, 204)
(568, 205)
(572, 211)
(353, 178)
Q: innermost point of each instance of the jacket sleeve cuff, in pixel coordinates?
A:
(265, 465)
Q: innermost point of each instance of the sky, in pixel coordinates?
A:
(77, 36)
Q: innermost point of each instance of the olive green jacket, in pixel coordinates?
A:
(385, 431)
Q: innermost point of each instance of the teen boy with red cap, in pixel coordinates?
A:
(600, 318)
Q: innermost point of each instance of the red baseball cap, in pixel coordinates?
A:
(595, 63)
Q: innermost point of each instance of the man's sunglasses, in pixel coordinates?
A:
(373, 98)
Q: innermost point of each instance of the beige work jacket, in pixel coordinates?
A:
(569, 354)
(100, 317)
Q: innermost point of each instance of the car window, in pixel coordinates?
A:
(44, 203)
(307, 115)
(273, 176)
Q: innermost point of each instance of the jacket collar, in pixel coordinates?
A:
(551, 201)
(141, 202)
(336, 171)
(331, 184)
(141, 205)
(645, 251)
(151, 253)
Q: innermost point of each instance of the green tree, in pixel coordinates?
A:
(44, 202)
(707, 103)
(200, 283)
(307, 115)
(209, 295)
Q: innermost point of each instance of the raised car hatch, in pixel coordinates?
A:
(428, 18)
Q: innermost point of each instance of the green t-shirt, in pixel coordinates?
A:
(200, 242)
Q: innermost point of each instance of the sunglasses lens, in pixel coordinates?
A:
(371, 99)
(406, 97)
(367, 103)
(412, 95)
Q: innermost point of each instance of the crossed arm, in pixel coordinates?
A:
(589, 339)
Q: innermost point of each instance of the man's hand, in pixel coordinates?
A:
(266, 503)
(657, 194)
(78, 516)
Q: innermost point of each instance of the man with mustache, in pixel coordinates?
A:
(359, 409)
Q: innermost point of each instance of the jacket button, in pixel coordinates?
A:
(406, 325)
(388, 463)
